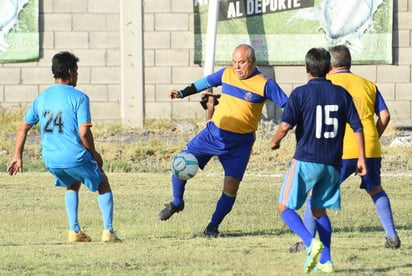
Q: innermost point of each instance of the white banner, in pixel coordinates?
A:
(282, 31)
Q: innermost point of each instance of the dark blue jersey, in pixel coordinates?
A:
(320, 110)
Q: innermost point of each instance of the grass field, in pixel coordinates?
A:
(255, 241)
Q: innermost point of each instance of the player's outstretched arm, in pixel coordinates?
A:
(16, 164)
(281, 132)
(174, 94)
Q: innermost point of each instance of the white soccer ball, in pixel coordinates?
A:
(184, 165)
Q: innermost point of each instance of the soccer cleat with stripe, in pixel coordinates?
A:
(79, 237)
(211, 231)
(108, 236)
(312, 255)
(326, 267)
(169, 210)
(393, 242)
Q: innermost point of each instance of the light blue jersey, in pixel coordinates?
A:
(61, 109)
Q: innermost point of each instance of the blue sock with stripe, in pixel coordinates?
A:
(178, 186)
(325, 236)
(72, 206)
(223, 207)
(383, 207)
(295, 223)
(106, 207)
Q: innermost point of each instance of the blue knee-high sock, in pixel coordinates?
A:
(223, 207)
(308, 218)
(325, 235)
(383, 207)
(106, 208)
(295, 223)
(178, 186)
(72, 207)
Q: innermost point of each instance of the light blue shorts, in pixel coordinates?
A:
(302, 177)
(88, 173)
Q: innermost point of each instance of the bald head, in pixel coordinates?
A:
(244, 61)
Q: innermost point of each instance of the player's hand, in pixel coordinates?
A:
(361, 169)
(274, 145)
(99, 159)
(174, 94)
(15, 166)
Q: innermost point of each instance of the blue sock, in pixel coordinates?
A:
(223, 207)
(383, 207)
(295, 223)
(178, 186)
(106, 208)
(308, 218)
(325, 235)
(72, 206)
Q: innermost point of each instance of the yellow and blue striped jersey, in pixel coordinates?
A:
(242, 101)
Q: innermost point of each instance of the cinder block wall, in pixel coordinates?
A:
(92, 30)
(168, 31)
(88, 28)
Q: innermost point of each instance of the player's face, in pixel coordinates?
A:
(243, 66)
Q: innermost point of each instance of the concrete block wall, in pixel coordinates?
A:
(95, 32)
(89, 29)
(169, 38)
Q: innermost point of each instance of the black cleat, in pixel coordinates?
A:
(393, 242)
(211, 231)
(297, 247)
(169, 210)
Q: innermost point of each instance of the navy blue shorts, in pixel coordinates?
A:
(232, 149)
(372, 177)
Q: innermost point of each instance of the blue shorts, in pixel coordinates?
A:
(232, 149)
(372, 177)
(302, 177)
(88, 173)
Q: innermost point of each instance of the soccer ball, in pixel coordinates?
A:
(184, 165)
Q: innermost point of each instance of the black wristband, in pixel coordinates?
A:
(189, 90)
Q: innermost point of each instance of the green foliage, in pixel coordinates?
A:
(151, 148)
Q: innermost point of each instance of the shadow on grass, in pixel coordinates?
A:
(364, 229)
(242, 233)
(377, 270)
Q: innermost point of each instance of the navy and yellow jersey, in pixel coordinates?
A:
(60, 110)
(241, 102)
(368, 101)
(320, 111)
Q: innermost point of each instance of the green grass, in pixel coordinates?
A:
(255, 242)
(34, 224)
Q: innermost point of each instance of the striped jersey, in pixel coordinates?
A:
(242, 101)
(320, 111)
